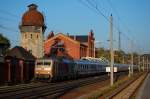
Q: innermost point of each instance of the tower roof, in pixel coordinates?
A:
(32, 17)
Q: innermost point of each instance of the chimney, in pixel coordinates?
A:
(51, 34)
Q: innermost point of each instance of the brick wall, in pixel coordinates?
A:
(74, 49)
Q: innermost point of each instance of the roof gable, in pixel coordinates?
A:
(20, 52)
(64, 36)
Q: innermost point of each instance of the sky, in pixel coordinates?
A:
(78, 17)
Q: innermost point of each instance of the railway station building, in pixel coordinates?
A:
(32, 28)
(75, 46)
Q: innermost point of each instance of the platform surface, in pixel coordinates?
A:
(144, 92)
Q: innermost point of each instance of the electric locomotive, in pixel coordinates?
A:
(54, 69)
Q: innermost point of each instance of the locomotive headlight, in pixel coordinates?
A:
(47, 68)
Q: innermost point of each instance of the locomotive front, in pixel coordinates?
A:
(43, 69)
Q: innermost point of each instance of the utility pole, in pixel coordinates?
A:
(132, 63)
(119, 41)
(143, 63)
(147, 63)
(131, 44)
(139, 63)
(111, 52)
(123, 60)
(94, 49)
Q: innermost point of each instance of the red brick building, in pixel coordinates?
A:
(75, 46)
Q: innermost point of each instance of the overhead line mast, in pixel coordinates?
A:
(111, 52)
(119, 41)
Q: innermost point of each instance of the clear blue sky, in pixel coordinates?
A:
(74, 17)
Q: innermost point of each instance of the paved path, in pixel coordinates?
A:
(144, 92)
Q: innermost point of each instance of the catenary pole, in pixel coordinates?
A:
(111, 52)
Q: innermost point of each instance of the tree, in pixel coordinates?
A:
(101, 52)
(119, 56)
(58, 49)
(4, 44)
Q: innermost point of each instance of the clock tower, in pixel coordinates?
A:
(32, 30)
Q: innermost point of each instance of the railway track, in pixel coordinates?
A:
(6, 89)
(45, 89)
(127, 90)
(50, 90)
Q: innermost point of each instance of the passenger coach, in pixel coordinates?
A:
(54, 69)
(60, 69)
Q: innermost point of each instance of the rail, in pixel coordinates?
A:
(127, 90)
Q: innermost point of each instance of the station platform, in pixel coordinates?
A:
(144, 91)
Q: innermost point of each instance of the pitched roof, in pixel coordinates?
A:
(20, 52)
(64, 36)
(80, 38)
